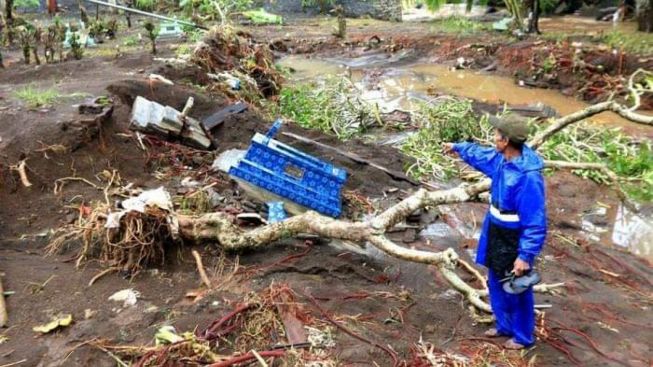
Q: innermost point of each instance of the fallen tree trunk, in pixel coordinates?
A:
(221, 228)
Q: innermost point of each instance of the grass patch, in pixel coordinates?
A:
(332, 106)
(37, 97)
(458, 24)
(632, 42)
(131, 41)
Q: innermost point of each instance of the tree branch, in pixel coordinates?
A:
(565, 121)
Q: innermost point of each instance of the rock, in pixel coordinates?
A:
(597, 216)
(214, 198)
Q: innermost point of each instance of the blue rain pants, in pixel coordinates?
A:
(514, 313)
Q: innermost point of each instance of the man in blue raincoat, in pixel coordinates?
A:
(514, 229)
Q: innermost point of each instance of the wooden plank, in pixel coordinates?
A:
(218, 118)
(295, 332)
(354, 157)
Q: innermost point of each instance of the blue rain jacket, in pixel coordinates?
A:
(518, 189)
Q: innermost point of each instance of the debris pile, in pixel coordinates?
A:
(140, 234)
(262, 327)
(225, 49)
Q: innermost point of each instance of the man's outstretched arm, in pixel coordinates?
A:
(484, 159)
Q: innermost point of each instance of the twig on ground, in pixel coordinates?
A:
(101, 274)
(20, 168)
(59, 183)
(200, 269)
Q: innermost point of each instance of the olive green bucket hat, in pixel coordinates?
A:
(512, 126)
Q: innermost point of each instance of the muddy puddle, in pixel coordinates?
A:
(634, 232)
(406, 87)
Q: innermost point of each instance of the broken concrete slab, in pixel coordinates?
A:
(194, 135)
(154, 118)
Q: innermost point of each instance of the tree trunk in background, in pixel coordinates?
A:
(128, 15)
(9, 11)
(52, 7)
(534, 17)
(644, 13)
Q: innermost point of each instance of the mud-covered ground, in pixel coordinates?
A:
(602, 316)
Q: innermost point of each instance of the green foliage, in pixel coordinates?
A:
(26, 4)
(184, 50)
(214, 9)
(145, 4)
(96, 28)
(632, 162)
(35, 98)
(548, 6)
(152, 34)
(449, 120)
(515, 7)
(333, 107)
(434, 5)
(194, 35)
(549, 64)
(26, 34)
(261, 17)
(453, 120)
(76, 48)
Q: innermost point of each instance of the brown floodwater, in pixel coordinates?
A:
(405, 87)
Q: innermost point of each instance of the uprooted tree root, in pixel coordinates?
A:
(226, 49)
(142, 239)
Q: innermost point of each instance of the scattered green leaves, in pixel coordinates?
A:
(630, 160)
(446, 120)
(333, 106)
(130, 41)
